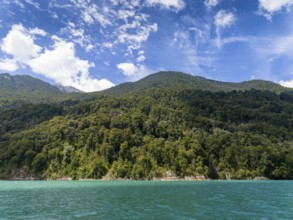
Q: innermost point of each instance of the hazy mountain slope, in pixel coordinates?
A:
(26, 89)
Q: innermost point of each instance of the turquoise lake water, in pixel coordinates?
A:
(146, 200)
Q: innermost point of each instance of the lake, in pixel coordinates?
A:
(146, 200)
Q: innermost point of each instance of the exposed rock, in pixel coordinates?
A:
(260, 178)
(23, 174)
(227, 176)
(202, 177)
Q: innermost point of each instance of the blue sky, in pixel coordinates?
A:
(93, 45)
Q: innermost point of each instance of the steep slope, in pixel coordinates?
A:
(239, 135)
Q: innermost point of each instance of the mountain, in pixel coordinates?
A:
(179, 81)
(26, 89)
(167, 125)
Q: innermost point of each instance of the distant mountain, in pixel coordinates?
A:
(181, 81)
(27, 88)
(23, 88)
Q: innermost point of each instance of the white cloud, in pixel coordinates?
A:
(117, 25)
(140, 58)
(128, 69)
(269, 7)
(8, 65)
(135, 40)
(90, 13)
(211, 3)
(78, 36)
(176, 5)
(68, 69)
(288, 83)
(37, 31)
(124, 14)
(19, 43)
(134, 72)
(59, 63)
(222, 20)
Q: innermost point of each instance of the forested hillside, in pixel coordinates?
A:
(152, 132)
(180, 81)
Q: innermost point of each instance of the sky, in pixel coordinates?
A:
(96, 44)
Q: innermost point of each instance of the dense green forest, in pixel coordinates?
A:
(151, 130)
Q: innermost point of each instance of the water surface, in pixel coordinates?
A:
(146, 200)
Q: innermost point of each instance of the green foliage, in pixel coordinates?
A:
(153, 133)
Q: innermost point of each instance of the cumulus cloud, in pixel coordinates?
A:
(176, 5)
(59, 63)
(288, 83)
(8, 65)
(269, 7)
(132, 71)
(19, 37)
(223, 19)
(128, 69)
(211, 3)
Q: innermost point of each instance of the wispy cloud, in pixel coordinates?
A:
(176, 5)
(120, 24)
(223, 19)
(211, 3)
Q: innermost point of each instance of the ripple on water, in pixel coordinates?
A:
(146, 200)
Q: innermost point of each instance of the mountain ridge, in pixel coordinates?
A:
(25, 88)
(178, 80)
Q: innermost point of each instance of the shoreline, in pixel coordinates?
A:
(167, 179)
